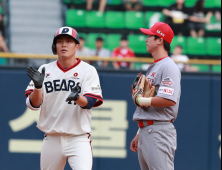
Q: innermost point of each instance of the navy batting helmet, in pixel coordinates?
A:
(65, 31)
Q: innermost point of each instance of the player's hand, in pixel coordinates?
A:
(74, 95)
(36, 76)
(134, 144)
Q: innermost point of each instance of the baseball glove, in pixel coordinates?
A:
(149, 89)
(142, 87)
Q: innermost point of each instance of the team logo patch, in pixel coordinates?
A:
(48, 75)
(166, 90)
(75, 75)
(153, 74)
(167, 82)
(95, 87)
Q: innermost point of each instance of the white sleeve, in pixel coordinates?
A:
(30, 106)
(91, 87)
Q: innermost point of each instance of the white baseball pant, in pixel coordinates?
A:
(57, 148)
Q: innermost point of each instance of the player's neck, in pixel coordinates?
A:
(68, 62)
(159, 54)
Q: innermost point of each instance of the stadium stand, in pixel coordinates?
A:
(214, 47)
(114, 20)
(202, 68)
(134, 20)
(196, 46)
(181, 41)
(115, 23)
(94, 19)
(75, 18)
(91, 39)
(112, 41)
(136, 42)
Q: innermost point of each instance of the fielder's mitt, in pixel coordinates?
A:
(149, 89)
(142, 87)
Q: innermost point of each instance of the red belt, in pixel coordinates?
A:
(149, 123)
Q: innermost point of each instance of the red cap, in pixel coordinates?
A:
(162, 30)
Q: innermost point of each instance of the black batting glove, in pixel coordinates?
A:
(74, 95)
(36, 76)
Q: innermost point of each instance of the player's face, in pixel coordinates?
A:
(151, 44)
(66, 46)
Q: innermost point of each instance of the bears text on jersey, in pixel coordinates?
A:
(58, 85)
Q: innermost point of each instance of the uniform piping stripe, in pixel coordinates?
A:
(156, 61)
(57, 33)
(70, 68)
(98, 103)
(28, 92)
(73, 33)
(94, 96)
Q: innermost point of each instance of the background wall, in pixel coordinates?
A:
(198, 124)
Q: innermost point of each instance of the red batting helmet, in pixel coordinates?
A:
(65, 31)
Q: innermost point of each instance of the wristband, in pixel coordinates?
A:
(142, 101)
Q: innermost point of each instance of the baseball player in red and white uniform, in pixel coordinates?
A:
(65, 91)
(156, 141)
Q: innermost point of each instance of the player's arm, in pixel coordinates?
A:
(161, 102)
(82, 101)
(167, 12)
(36, 97)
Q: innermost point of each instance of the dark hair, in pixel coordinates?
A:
(166, 44)
(81, 38)
(124, 38)
(199, 7)
(99, 39)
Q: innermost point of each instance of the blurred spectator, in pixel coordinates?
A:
(3, 45)
(133, 5)
(198, 19)
(178, 16)
(101, 52)
(83, 51)
(123, 52)
(215, 25)
(178, 57)
(102, 5)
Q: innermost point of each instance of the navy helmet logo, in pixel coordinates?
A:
(65, 30)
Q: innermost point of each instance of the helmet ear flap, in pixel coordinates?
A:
(54, 49)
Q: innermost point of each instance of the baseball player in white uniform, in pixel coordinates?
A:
(65, 91)
(156, 141)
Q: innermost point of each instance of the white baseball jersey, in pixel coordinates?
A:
(57, 115)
